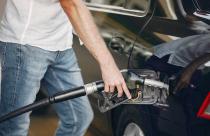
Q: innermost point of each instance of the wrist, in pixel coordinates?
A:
(105, 60)
(107, 64)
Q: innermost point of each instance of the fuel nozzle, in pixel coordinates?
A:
(143, 87)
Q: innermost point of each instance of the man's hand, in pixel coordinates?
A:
(86, 29)
(114, 79)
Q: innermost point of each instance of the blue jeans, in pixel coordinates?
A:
(23, 70)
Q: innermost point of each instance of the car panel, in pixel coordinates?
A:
(124, 7)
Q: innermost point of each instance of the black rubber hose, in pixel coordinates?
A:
(67, 95)
(25, 109)
(59, 97)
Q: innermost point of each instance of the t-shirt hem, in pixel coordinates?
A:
(65, 47)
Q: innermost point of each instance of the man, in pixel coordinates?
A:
(185, 58)
(36, 39)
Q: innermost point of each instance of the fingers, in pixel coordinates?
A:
(127, 92)
(106, 87)
(111, 88)
(121, 88)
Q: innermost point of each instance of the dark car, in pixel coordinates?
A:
(120, 23)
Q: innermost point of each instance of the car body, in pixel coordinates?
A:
(120, 28)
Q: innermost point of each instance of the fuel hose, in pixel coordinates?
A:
(59, 97)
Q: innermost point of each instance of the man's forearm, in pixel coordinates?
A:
(85, 27)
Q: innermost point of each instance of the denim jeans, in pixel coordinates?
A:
(24, 69)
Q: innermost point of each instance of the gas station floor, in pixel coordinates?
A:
(46, 126)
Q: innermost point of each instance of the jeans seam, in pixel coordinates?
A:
(74, 116)
(4, 68)
(70, 107)
(3, 57)
(13, 99)
(18, 59)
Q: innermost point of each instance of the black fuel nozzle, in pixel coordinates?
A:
(139, 85)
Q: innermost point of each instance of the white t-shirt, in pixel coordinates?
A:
(184, 51)
(40, 23)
